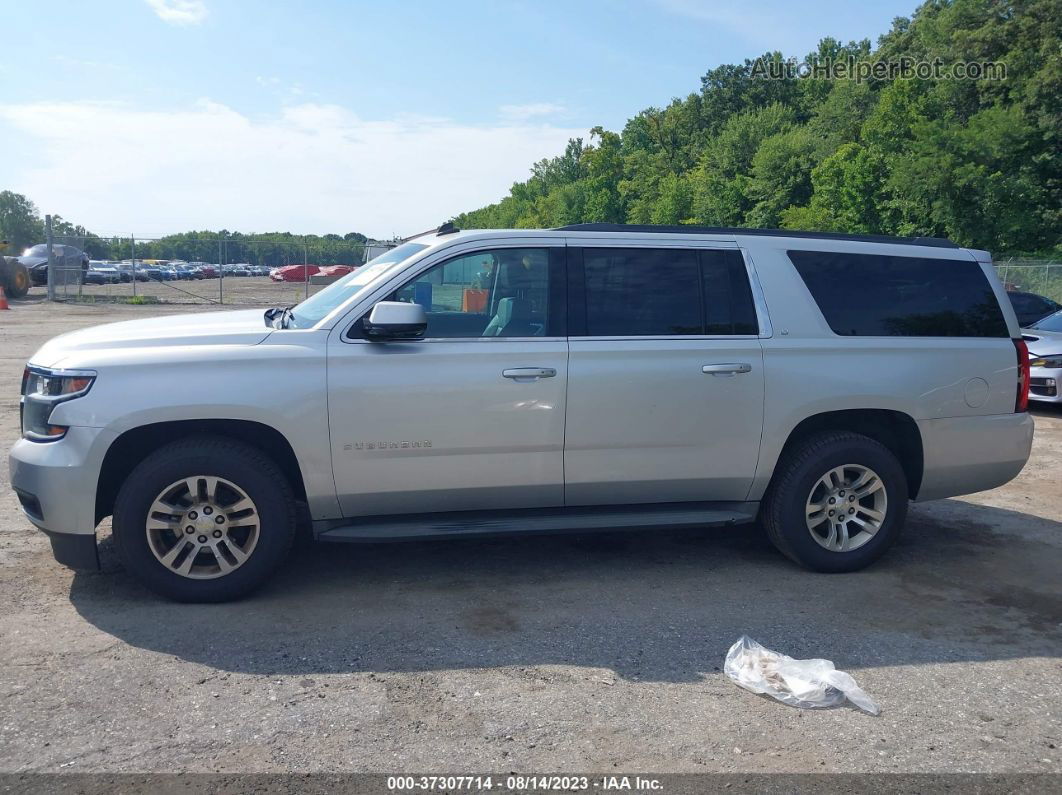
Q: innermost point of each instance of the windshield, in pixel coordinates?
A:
(316, 307)
(39, 250)
(1049, 323)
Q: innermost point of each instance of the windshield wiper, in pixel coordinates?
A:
(279, 317)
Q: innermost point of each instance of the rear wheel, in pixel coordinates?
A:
(204, 519)
(837, 503)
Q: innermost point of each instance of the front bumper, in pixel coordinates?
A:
(56, 485)
(1045, 384)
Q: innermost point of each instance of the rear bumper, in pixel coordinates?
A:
(963, 455)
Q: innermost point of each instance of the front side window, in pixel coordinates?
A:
(494, 293)
(871, 295)
(316, 307)
(643, 292)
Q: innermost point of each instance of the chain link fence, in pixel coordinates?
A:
(190, 269)
(1043, 277)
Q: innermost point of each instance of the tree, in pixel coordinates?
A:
(20, 222)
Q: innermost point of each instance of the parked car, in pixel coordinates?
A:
(71, 263)
(102, 273)
(293, 273)
(334, 270)
(129, 271)
(593, 377)
(1045, 358)
(208, 271)
(1030, 307)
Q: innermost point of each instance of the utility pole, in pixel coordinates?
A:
(51, 257)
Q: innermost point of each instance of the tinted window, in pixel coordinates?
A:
(496, 293)
(728, 304)
(869, 295)
(641, 292)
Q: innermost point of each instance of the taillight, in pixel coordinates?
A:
(1021, 403)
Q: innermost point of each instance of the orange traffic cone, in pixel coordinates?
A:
(3, 299)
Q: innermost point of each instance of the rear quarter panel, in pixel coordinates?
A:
(810, 370)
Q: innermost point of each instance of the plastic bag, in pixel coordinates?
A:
(800, 683)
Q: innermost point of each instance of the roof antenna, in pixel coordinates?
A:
(447, 229)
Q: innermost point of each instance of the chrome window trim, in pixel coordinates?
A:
(763, 317)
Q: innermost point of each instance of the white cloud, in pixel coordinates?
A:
(531, 110)
(179, 12)
(312, 168)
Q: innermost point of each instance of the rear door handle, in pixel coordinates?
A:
(529, 373)
(730, 368)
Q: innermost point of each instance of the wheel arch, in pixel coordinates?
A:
(894, 429)
(133, 445)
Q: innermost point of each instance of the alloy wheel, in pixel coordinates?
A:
(846, 507)
(202, 527)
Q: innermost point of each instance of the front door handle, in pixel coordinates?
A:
(730, 368)
(529, 373)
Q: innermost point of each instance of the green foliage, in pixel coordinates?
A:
(979, 161)
(20, 223)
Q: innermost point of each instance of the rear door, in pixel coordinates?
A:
(665, 374)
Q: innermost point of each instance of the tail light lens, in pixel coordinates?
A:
(1021, 403)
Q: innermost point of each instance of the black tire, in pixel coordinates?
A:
(17, 282)
(241, 464)
(783, 513)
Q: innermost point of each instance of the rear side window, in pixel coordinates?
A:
(871, 295)
(640, 292)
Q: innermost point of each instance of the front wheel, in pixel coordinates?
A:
(837, 503)
(204, 519)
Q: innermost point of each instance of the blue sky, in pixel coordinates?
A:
(153, 116)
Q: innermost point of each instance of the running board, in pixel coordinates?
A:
(544, 521)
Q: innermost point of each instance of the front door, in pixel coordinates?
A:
(665, 376)
(472, 416)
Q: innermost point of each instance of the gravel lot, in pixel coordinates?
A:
(570, 654)
(232, 289)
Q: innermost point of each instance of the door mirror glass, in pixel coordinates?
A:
(396, 320)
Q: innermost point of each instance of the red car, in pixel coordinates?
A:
(336, 270)
(294, 273)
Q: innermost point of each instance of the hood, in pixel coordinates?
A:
(1042, 343)
(243, 327)
(32, 262)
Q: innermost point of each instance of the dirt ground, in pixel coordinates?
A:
(569, 654)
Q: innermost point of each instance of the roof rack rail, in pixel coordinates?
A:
(445, 229)
(935, 242)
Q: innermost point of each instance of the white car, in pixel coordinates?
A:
(592, 377)
(1044, 338)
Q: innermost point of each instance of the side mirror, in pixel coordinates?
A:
(396, 320)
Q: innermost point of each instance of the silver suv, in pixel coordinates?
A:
(593, 377)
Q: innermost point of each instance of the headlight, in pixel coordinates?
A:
(1054, 361)
(42, 390)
